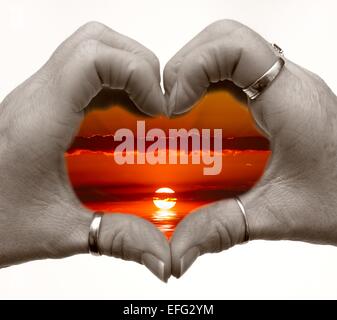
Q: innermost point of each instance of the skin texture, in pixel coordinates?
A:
(40, 216)
(296, 197)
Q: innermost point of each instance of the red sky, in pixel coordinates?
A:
(103, 185)
(217, 110)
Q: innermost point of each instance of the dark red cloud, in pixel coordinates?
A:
(107, 143)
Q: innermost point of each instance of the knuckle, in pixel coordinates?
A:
(137, 65)
(87, 46)
(192, 64)
(150, 58)
(199, 60)
(224, 24)
(93, 27)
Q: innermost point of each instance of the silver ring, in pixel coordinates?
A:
(256, 88)
(243, 211)
(94, 234)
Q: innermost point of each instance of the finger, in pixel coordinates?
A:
(237, 53)
(60, 101)
(209, 34)
(93, 65)
(100, 32)
(131, 238)
(97, 32)
(271, 208)
(222, 225)
(210, 229)
(240, 55)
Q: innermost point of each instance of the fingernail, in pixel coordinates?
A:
(188, 259)
(156, 266)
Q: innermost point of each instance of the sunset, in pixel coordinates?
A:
(168, 156)
(164, 199)
(128, 174)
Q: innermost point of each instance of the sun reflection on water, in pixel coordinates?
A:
(165, 220)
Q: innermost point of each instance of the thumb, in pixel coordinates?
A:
(221, 225)
(209, 229)
(131, 238)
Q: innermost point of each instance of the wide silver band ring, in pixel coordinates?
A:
(243, 211)
(94, 234)
(256, 88)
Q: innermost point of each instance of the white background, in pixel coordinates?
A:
(31, 30)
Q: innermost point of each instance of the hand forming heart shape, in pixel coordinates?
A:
(42, 218)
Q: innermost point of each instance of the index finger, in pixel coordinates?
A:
(97, 31)
(209, 34)
(236, 53)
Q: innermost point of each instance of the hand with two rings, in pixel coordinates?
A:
(40, 216)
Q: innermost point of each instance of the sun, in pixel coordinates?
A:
(164, 198)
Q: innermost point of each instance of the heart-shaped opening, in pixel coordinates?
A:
(165, 193)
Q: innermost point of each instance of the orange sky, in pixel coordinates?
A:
(103, 185)
(217, 110)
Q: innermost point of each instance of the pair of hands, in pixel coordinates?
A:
(40, 216)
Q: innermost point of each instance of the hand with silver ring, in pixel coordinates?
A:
(40, 216)
(296, 197)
